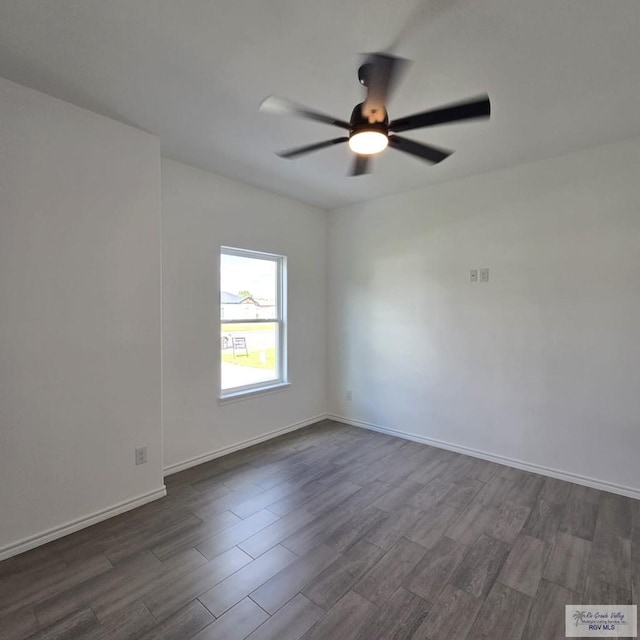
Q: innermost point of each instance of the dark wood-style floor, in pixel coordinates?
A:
(333, 533)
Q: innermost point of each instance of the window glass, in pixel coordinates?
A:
(252, 329)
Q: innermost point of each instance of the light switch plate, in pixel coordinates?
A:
(473, 275)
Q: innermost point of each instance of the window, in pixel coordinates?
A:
(252, 322)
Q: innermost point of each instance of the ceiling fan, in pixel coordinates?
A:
(370, 131)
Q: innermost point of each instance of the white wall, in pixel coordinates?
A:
(201, 212)
(79, 315)
(541, 364)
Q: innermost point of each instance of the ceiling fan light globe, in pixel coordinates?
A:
(368, 143)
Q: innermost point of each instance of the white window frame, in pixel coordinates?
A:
(281, 381)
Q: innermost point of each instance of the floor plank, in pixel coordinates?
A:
(291, 622)
(279, 589)
(18, 625)
(155, 579)
(50, 585)
(495, 491)
(236, 624)
(503, 615)
(525, 565)
(555, 491)
(356, 528)
(397, 619)
(62, 604)
(340, 576)
(471, 523)
(275, 533)
(170, 597)
(69, 628)
(546, 618)
(599, 592)
(429, 528)
(611, 559)
(185, 623)
(431, 493)
(132, 621)
(568, 563)
(434, 571)
(388, 532)
(461, 492)
(344, 620)
(481, 566)
(390, 571)
(235, 534)
(544, 520)
(508, 521)
(579, 519)
(242, 582)
(451, 616)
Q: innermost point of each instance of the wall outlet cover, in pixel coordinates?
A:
(141, 455)
(484, 275)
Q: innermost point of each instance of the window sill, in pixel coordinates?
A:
(238, 396)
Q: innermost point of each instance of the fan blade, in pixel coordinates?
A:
(382, 72)
(479, 107)
(282, 106)
(360, 165)
(425, 13)
(298, 151)
(423, 151)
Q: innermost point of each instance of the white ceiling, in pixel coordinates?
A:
(561, 74)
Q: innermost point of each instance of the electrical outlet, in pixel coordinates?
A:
(349, 396)
(141, 455)
(484, 275)
(473, 275)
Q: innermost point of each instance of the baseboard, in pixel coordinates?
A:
(594, 483)
(218, 453)
(32, 542)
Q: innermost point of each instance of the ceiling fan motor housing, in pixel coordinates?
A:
(359, 122)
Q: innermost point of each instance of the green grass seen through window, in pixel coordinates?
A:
(262, 359)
